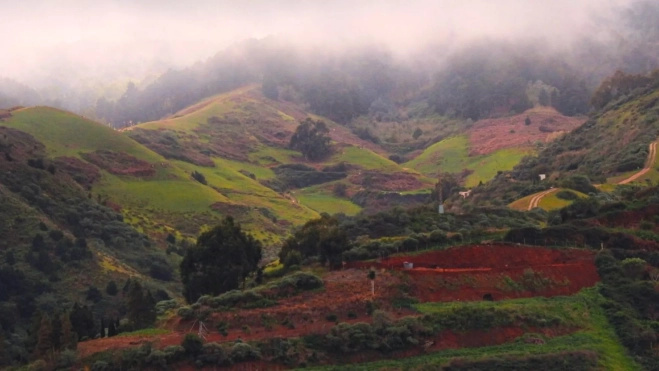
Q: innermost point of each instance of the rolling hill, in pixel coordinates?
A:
(239, 140)
(157, 196)
(492, 145)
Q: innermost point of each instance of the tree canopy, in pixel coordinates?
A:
(222, 258)
(312, 139)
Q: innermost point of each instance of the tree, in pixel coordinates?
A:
(111, 288)
(140, 306)
(199, 177)
(82, 321)
(192, 344)
(221, 258)
(94, 294)
(102, 328)
(417, 133)
(371, 276)
(44, 337)
(4, 357)
(67, 336)
(112, 330)
(543, 98)
(311, 139)
(527, 120)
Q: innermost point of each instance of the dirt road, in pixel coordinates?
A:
(652, 156)
(536, 199)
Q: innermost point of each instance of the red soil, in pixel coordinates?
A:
(120, 163)
(82, 172)
(465, 273)
(469, 273)
(490, 135)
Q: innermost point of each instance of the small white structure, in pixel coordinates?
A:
(542, 176)
(465, 194)
(407, 265)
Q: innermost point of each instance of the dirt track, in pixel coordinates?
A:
(536, 199)
(652, 156)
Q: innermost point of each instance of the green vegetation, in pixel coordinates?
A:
(595, 333)
(322, 202)
(222, 259)
(451, 156)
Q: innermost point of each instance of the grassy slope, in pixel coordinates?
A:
(549, 202)
(246, 104)
(161, 199)
(582, 310)
(452, 156)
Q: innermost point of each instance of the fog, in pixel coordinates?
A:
(84, 42)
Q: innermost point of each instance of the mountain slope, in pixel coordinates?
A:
(155, 195)
(492, 145)
(613, 143)
(60, 246)
(249, 134)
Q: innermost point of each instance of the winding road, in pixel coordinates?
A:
(652, 158)
(536, 199)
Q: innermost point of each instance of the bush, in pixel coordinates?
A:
(634, 267)
(163, 306)
(111, 288)
(186, 313)
(332, 317)
(241, 352)
(646, 225)
(192, 344)
(199, 177)
(93, 294)
(567, 195)
(213, 354)
(340, 190)
(292, 258)
(579, 183)
(100, 366)
(438, 237)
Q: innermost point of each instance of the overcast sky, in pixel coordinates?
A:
(100, 37)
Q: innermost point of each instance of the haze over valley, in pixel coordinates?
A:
(371, 185)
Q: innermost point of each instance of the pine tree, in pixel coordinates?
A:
(102, 328)
(44, 337)
(67, 337)
(56, 324)
(150, 314)
(126, 287)
(4, 359)
(112, 331)
(135, 305)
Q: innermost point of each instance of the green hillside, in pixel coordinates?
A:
(612, 144)
(165, 198)
(239, 140)
(452, 156)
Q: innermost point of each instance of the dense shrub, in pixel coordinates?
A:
(192, 344)
(241, 352)
(566, 195)
(573, 361)
(264, 296)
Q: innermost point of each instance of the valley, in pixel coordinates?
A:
(386, 186)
